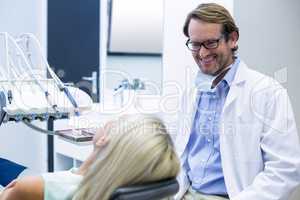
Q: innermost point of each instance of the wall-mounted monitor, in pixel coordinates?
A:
(136, 27)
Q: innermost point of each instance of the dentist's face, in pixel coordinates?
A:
(210, 61)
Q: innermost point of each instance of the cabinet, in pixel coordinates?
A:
(69, 154)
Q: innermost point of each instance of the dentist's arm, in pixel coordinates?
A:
(281, 153)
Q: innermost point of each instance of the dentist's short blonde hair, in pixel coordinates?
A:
(139, 151)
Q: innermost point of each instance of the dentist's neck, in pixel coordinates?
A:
(220, 76)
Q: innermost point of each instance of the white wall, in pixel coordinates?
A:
(23, 145)
(147, 68)
(17, 142)
(24, 16)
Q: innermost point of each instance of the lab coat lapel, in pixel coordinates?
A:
(226, 142)
(236, 86)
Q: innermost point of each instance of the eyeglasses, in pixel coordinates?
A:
(208, 44)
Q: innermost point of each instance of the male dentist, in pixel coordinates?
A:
(242, 142)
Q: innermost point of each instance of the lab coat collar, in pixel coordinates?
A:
(237, 84)
(241, 74)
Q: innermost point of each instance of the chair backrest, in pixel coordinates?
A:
(150, 191)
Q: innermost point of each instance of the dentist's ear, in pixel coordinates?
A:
(236, 44)
(233, 39)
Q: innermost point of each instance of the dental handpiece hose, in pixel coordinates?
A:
(27, 65)
(67, 92)
(58, 82)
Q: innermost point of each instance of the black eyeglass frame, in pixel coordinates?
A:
(204, 44)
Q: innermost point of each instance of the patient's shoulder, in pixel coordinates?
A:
(26, 188)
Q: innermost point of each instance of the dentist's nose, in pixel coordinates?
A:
(203, 52)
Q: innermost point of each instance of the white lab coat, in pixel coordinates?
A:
(259, 143)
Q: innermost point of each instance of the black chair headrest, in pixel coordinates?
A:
(149, 191)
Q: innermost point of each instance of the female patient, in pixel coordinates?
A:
(130, 150)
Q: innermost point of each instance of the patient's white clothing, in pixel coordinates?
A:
(60, 185)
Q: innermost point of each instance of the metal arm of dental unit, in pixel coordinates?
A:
(25, 92)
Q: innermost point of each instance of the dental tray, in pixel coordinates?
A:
(77, 135)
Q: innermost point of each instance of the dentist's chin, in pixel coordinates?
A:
(209, 69)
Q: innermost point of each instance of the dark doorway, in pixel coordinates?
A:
(74, 48)
(73, 42)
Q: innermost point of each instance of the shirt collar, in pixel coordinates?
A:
(232, 71)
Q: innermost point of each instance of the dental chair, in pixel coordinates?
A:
(151, 191)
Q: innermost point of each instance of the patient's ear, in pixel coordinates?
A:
(101, 137)
(102, 141)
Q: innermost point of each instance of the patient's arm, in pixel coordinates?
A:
(27, 188)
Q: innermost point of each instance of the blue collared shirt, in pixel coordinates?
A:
(203, 164)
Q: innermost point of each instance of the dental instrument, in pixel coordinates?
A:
(26, 93)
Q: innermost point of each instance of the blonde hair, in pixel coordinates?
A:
(139, 151)
(213, 13)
